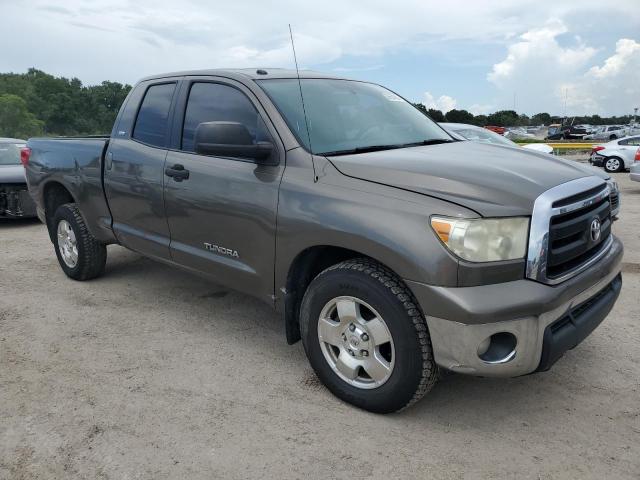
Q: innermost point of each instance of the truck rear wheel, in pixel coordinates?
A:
(80, 255)
(366, 338)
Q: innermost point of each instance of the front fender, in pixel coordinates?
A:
(387, 224)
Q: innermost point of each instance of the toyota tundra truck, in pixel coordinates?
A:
(391, 249)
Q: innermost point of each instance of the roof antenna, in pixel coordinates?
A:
(304, 111)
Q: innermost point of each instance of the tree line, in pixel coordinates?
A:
(510, 118)
(36, 103)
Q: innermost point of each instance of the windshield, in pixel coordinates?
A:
(10, 153)
(346, 116)
(483, 135)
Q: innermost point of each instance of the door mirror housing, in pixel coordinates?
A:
(232, 139)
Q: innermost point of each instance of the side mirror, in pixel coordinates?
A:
(231, 139)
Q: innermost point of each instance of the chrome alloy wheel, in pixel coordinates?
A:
(613, 164)
(67, 244)
(356, 342)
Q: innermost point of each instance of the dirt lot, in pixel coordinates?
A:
(152, 373)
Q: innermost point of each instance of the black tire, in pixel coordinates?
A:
(92, 255)
(613, 137)
(415, 370)
(608, 169)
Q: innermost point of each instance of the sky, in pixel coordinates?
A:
(561, 56)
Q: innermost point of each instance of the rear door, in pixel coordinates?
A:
(222, 218)
(134, 169)
(628, 147)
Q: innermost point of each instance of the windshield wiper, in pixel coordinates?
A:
(433, 141)
(370, 148)
(377, 148)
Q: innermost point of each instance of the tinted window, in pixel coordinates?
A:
(213, 102)
(153, 117)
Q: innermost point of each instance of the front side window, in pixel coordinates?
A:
(214, 102)
(153, 117)
(346, 116)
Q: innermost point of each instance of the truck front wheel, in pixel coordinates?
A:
(366, 338)
(80, 255)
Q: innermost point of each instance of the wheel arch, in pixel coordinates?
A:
(305, 266)
(54, 194)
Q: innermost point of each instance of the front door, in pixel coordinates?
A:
(221, 211)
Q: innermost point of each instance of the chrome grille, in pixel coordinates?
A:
(560, 242)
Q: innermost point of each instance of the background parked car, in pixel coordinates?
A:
(479, 134)
(15, 200)
(635, 168)
(615, 156)
(610, 132)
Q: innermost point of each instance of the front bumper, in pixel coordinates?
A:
(544, 321)
(15, 201)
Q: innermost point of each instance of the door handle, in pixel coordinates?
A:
(109, 161)
(177, 172)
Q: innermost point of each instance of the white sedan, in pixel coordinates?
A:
(617, 155)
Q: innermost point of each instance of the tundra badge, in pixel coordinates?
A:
(225, 251)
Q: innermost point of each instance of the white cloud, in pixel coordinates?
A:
(626, 57)
(123, 40)
(539, 56)
(444, 103)
(481, 109)
(546, 76)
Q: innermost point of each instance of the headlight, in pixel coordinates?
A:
(483, 239)
(613, 185)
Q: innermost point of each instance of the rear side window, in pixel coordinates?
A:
(153, 118)
(634, 141)
(213, 102)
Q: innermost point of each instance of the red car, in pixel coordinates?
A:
(498, 130)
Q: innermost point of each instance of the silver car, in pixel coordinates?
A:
(482, 135)
(609, 132)
(617, 155)
(635, 168)
(15, 201)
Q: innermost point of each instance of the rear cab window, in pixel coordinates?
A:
(152, 122)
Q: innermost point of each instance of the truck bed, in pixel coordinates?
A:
(75, 163)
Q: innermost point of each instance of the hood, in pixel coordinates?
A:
(12, 174)
(490, 179)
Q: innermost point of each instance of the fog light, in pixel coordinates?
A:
(498, 348)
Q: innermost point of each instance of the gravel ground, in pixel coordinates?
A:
(152, 373)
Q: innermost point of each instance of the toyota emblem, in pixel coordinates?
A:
(596, 229)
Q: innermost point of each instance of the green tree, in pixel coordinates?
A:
(480, 120)
(459, 116)
(420, 106)
(436, 115)
(65, 106)
(504, 118)
(541, 119)
(15, 119)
